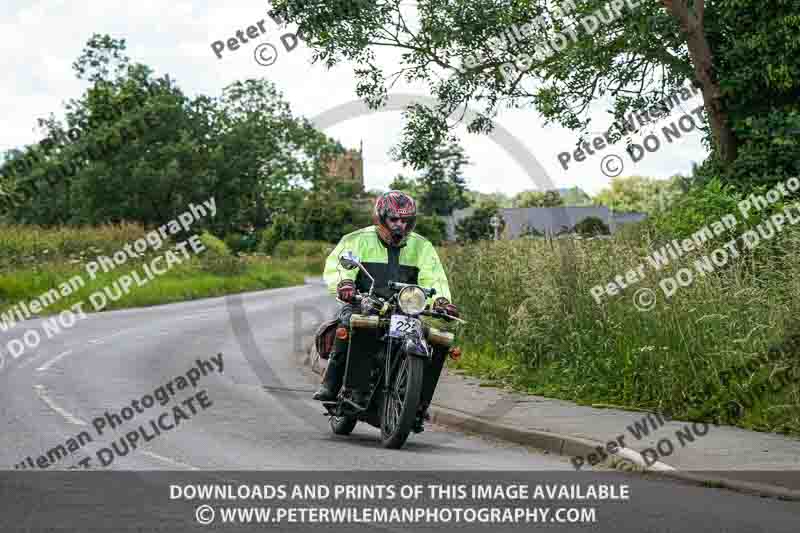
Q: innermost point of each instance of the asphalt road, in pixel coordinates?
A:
(258, 414)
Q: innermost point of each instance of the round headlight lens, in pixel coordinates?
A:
(412, 300)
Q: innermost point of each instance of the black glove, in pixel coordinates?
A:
(443, 305)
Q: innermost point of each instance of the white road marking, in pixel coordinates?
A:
(40, 390)
(53, 360)
(168, 460)
(28, 361)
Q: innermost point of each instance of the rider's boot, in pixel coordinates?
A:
(361, 397)
(333, 380)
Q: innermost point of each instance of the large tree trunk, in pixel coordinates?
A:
(691, 21)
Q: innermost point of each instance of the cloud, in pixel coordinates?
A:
(41, 39)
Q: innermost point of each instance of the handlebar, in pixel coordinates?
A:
(396, 285)
(444, 316)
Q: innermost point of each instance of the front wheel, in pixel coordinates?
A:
(401, 401)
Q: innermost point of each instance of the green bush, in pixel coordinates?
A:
(291, 248)
(477, 226)
(239, 242)
(433, 228)
(530, 231)
(701, 205)
(215, 247)
(591, 226)
(284, 227)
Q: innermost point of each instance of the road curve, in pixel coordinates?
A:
(258, 412)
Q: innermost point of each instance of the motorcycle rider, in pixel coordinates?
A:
(390, 251)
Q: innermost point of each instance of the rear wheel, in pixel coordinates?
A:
(401, 401)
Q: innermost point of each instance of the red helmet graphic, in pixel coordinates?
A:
(394, 204)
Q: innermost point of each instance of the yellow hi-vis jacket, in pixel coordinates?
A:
(415, 262)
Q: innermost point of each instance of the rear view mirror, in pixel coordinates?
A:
(348, 260)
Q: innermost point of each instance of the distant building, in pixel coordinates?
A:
(546, 220)
(348, 167)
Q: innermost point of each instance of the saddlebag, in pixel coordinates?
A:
(325, 337)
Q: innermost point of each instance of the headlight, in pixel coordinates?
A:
(412, 300)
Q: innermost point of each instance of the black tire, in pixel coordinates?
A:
(343, 425)
(406, 389)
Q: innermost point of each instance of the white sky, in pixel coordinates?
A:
(41, 39)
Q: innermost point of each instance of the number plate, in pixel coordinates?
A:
(400, 326)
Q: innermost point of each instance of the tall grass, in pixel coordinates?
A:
(536, 326)
(34, 260)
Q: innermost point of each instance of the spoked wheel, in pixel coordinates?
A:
(401, 401)
(343, 425)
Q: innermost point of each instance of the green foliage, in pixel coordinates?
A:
(215, 247)
(410, 186)
(441, 185)
(433, 228)
(142, 151)
(591, 226)
(641, 194)
(543, 333)
(283, 227)
(290, 248)
(441, 188)
(576, 197)
(33, 247)
(530, 231)
(323, 216)
(633, 62)
(701, 205)
(34, 260)
(500, 199)
(240, 243)
(477, 226)
(538, 199)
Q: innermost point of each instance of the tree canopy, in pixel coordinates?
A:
(641, 194)
(136, 148)
(642, 55)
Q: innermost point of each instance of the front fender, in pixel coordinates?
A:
(417, 347)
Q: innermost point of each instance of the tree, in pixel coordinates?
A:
(641, 194)
(576, 197)
(561, 65)
(136, 148)
(478, 225)
(476, 198)
(441, 187)
(410, 186)
(591, 226)
(538, 199)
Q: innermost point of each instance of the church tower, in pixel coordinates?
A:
(348, 166)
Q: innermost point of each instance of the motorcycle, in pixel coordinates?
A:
(406, 348)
